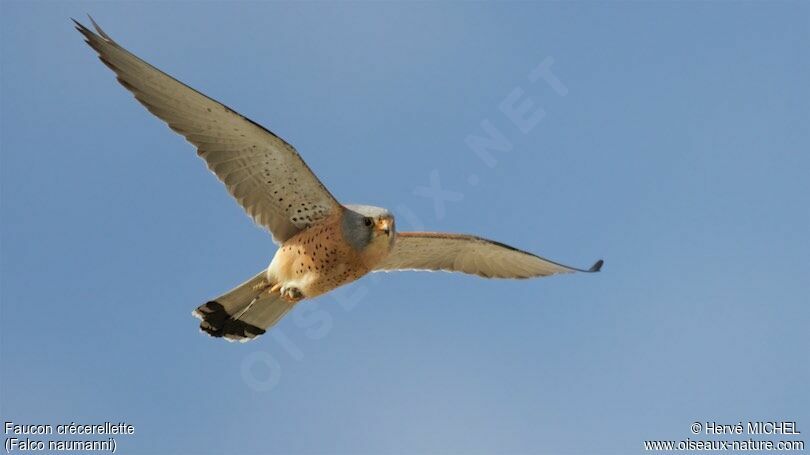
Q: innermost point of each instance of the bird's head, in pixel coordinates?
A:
(368, 228)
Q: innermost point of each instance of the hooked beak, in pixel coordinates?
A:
(384, 226)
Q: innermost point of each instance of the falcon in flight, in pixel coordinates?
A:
(323, 244)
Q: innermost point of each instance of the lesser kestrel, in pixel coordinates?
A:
(322, 243)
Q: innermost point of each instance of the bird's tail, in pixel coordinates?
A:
(244, 312)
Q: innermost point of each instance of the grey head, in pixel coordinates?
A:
(366, 224)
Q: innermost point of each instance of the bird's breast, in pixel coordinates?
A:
(317, 260)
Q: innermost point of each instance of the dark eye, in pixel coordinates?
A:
(368, 222)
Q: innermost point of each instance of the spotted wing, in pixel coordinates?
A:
(469, 254)
(264, 173)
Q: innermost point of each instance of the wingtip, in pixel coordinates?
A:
(98, 29)
(92, 21)
(597, 266)
(79, 26)
(85, 30)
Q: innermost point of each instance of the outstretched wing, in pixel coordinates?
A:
(264, 173)
(469, 254)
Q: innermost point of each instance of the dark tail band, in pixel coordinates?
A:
(218, 323)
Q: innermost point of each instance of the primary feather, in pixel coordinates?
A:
(265, 174)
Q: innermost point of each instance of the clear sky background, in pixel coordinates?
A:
(675, 146)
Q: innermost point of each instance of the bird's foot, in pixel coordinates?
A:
(272, 289)
(291, 294)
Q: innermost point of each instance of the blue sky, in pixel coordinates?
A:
(673, 144)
